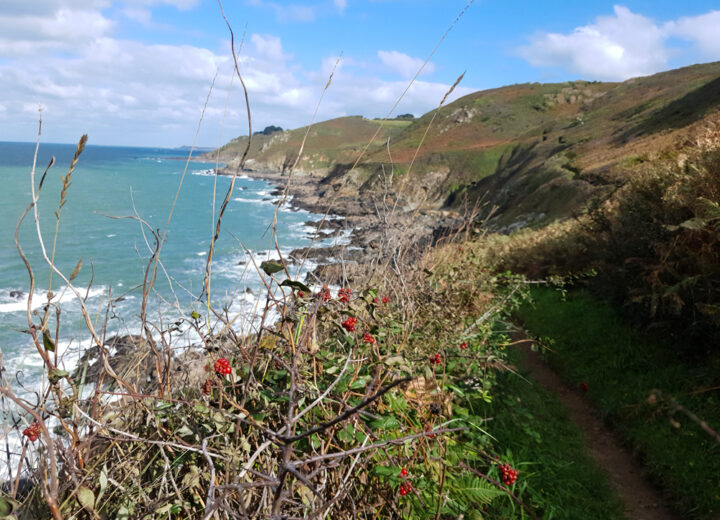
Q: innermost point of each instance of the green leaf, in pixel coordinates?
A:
(184, 431)
(271, 267)
(103, 479)
(56, 375)
(385, 423)
(195, 315)
(360, 382)
(7, 507)
(86, 498)
(295, 285)
(386, 471)
(48, 342)
(694, 223)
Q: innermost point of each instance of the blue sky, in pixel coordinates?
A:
(137, 72)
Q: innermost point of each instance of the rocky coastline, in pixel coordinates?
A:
(370, 224)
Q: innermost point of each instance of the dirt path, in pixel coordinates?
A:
(642, 501)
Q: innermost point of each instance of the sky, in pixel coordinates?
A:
(141, 72)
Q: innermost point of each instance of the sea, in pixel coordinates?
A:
(117, 198)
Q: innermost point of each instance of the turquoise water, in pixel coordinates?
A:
(115, 181)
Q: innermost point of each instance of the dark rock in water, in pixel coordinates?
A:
(25, 487)
(131, 357)
(241, 262)
(17, 294)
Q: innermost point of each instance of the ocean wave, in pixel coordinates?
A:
(61, 295)
(251, 201)
(204, 173)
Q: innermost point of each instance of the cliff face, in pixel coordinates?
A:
(537, 152)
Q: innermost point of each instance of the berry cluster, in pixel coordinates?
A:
(349, 324)
(405, 487)
(509, 475)
(463, 345)
(435, 359)
(324, 294)
(222, 367)
(344, 295)
(368, 338)
(32, 431)
(207, 387)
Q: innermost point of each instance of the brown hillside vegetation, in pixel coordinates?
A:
(537, 151)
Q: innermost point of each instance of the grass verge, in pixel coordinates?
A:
(562, 482)
(637, 383)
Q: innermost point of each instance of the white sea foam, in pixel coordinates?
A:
(61, 295)
(205, 173)
(250, 201)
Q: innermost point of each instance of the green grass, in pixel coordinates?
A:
(590, 342)
(562, 482)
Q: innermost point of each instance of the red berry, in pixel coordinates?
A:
(324, 294)
(584, 386)
(403, 491)
(368, 338)
(349, 324)
(300, 294)
(403, 472)
(463, 345)
(508, 474)
(344, 295)
(222, 367)
(32, 431)
(385, 299)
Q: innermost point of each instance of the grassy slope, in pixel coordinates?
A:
(539, 151)
(330, 142)
(589, 342)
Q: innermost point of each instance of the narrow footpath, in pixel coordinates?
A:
(642, 501)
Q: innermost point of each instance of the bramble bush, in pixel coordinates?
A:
(365, 404)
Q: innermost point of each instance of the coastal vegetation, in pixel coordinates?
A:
(389, 384)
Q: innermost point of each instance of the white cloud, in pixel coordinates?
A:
(404, 65)
(139, 14)
(340, 5)
(613, 48)
(268, 47)
(703, 30)
(68, 60)
(288, 12)
(65, 27)
(180, 4)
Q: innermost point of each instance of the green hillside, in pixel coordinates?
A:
(537, 151)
